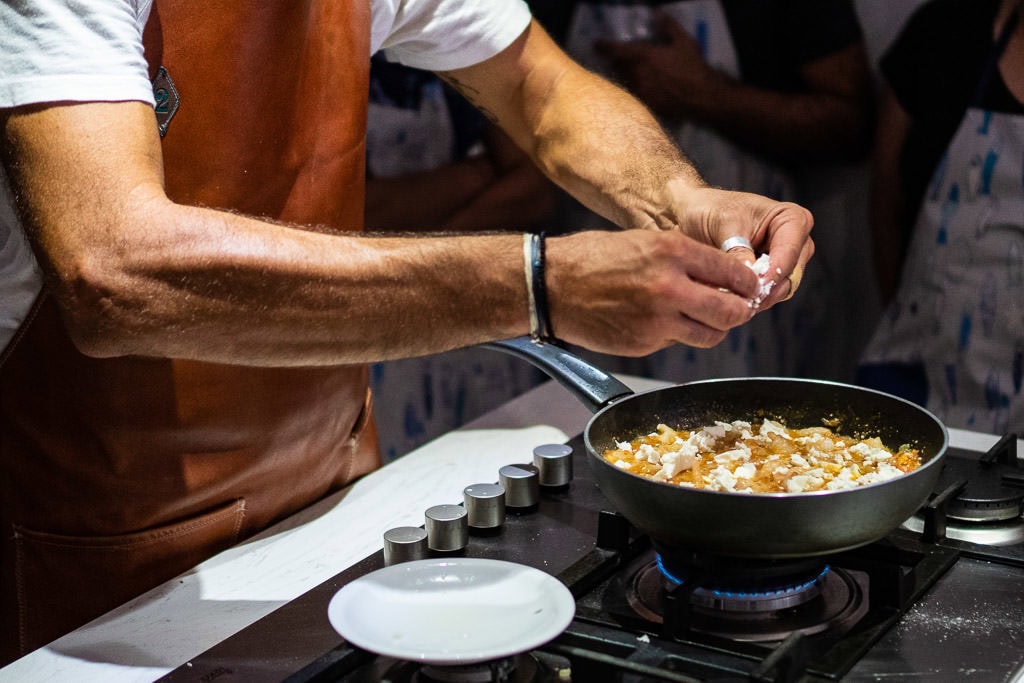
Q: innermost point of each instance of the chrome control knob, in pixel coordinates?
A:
(521, 484)
(485, 505)
(447, 527)
(554, 463)
(404, 543)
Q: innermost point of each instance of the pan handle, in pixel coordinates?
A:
(592, 386)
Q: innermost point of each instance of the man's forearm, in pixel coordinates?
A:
(136, 273)
(589, 136)
(612, 155)
(240, 290)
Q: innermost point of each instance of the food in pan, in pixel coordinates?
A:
(766, 458)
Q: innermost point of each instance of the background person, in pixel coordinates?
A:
(948, 216)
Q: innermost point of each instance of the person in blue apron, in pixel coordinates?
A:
(434, 162)
(951, 154)
(747, 90)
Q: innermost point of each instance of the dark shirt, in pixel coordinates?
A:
(774, 39)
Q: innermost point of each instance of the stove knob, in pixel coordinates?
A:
(485, 505)
(404, 543)
(554, 463)
(447, 527)
(521, 484)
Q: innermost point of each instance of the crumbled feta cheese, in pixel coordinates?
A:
(716, 430)
(722, 479)
(745, 471)
(846, 479)
(810, 439)
(674, 463)
(733, 456)
(687, 448)
(649, 453)
(772, 427)
(802, 482)
(702, 441)
(884, 472)
(815, 459)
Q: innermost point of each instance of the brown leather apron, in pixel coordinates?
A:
(118, 474)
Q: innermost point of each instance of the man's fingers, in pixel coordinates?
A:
(794, 281)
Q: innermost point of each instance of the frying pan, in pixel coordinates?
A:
(776, 525)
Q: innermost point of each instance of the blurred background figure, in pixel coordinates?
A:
(433, 160)
(767, 96)
(948, 215)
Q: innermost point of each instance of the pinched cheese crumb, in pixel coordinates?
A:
(765, 284)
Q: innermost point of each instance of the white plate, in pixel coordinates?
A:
(452, 611)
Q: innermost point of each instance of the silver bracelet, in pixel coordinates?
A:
(530, 295)
(536, 286)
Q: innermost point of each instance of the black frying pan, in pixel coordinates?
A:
(742, 524)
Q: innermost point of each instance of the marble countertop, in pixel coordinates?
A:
(164, 628)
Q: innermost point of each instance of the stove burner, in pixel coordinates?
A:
(524, 668)
(989, 495)
(745, 596)
(997, 534)
(749, 600)
(977, 501)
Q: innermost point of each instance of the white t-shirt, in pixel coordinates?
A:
(91, 50)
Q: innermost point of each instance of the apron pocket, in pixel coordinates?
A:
(65, 581)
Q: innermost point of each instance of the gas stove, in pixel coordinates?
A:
(940, 598)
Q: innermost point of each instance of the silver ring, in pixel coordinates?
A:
(735, 242)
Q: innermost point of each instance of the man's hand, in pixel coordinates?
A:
(637, 291)
(780, 229)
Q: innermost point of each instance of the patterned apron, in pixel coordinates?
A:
(953, 337)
